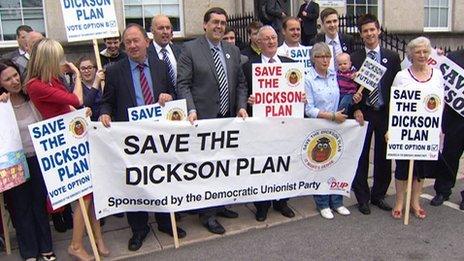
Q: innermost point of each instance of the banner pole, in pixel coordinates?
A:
(6, 231)
(174, 229)
(408, 192)
(97, 59)
(89, 228)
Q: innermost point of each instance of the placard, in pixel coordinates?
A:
(370, 74)
(172, 111)
(62, 149)
(414, 124)
(278, 90)
(301, 55)
(87, 20)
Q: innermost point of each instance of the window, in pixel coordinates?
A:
(359, 7)
(14, 13)
(142, 11)
(437, 15)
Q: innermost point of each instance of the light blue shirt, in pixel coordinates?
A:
(322, 93)
(221, 54)
(136, 80)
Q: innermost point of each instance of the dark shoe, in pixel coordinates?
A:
(227, 213)
(364, 208)
(382, 204)
(214, 226)
(261, 215)
(49, 257)
(102, 222)
(461, 206)
(58, 222)
(438, 200)
(180, 232)
(285, 211)
(136, 241)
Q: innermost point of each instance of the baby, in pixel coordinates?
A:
(345, 76)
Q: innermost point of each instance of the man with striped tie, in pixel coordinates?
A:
(210, 78)
(162, 47)
(137, 80)
(374, 108)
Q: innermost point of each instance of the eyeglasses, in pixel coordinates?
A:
(322, 56)
(86, 68)
(268, 39)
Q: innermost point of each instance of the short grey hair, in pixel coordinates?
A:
(416, 42)
(265, 27)
(320, 48)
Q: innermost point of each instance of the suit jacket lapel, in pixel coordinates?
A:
(154, 77)
(127, 75)
(208, 55)
(226, 51)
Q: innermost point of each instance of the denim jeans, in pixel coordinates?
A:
(346, 102)
(326, 201)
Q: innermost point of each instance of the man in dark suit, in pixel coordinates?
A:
(453, 147)
(162, 47)
(267, 42)
(136, 80)
(308, 14)
(210, 78)
(374, 108)
(338, 42)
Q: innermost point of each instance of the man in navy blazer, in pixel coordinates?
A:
(339, 42)
(123, 90)
(267, 42)
(376, 112)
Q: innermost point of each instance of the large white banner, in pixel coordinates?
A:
(62, 149)
(174, 166)
(415, 122)
(89, 19)
(278, 90)
(13, 166)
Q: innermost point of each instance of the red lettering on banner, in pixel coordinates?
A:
(268, 71)
(280, 110)
(268, 83)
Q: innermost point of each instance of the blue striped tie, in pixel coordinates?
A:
(223, 90)
(171, 72)
(373, 98)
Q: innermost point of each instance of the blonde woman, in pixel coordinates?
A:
(51, 99)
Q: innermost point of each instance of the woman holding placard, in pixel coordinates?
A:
(422, 74)
(91, 84)
(51, 98)
(323, 95)
(29, 199)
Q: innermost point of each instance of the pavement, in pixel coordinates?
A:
(245, 231)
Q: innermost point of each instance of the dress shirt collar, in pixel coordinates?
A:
(158, 48)
(133, 64)
(211, 45)
(313, 74)
(328, 39)
(265, 59)
(376, 49)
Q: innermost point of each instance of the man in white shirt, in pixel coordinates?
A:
(292, 36)
(162, 47)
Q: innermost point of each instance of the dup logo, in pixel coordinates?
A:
(175, 114)
(78, 127)
(337, 185)
(432, 102)
(321, 149)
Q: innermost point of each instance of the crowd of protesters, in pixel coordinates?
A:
(41, 84)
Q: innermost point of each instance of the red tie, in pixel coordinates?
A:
(147, 96)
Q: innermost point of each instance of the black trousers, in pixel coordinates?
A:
(30, 213)
(378, 124)
(265, 205)
(453, 147)
(138, 221)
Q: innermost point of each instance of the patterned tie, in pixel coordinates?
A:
(334, 53)
(223, 89)
(171, 72)
(272, 60)
(373, 98)
(147, 95)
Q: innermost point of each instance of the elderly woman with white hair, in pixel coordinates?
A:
(322, 94)
(420, 74)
